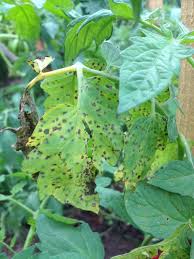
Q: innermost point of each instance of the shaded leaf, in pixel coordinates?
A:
(156, 211)
(176, 176)
(66, 241)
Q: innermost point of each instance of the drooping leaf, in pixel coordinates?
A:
(148, 68)
(86, 30)
(156, 211)
(121, 8)
(176, 176)
(176, 246)
(77, 132)
(145, 136)
(27, 22)
(59, 240)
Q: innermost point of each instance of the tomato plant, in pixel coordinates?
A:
(109, 119)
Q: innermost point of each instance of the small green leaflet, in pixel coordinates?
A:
(156, 211)
(83, 31)
(59, 7)
(176, 176)
(121, 9)
(148, 67)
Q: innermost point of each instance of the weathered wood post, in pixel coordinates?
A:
(185, 121)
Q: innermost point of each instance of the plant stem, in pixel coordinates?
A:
(152, 26)
(64, 70)
(29, 237)
(191, 61)
(187, 148)
(8, 36)
(153, 107)
(146, 240)
(32, 229)
(7, 246)
(21, 205)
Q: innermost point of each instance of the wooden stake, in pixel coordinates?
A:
(185, 120)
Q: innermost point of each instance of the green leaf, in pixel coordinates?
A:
(137, 8)
(176, 246)
(18, 187)
(74, 136)
(86, 30)
(113, 201)
(111, 54)
(59, 7)
(156, 211)
(59, 218)
(26, 21)
(27, 253)
(140, 148)
(162, 157)
(65, 241)
(3, 197)
(148, 67)
(188, 38)
(176, 176)
(121, 9)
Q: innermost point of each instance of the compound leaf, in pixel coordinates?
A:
(148, 68)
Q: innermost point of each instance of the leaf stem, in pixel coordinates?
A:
(8, 247)
(153, 107)
(146, 240)
(32, 229)
(72, 68)
(8, 36)
(21, 205)
(191, 61)
(187, 148)
(152, 26)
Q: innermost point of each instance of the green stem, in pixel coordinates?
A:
(32, 230)
(64, 70)
(7, 36)
(153, 107)
(146, 240)
(29, 237)
(152, 26)
(191, 61)
(8, 247)
(186, 148)
(21, 205)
